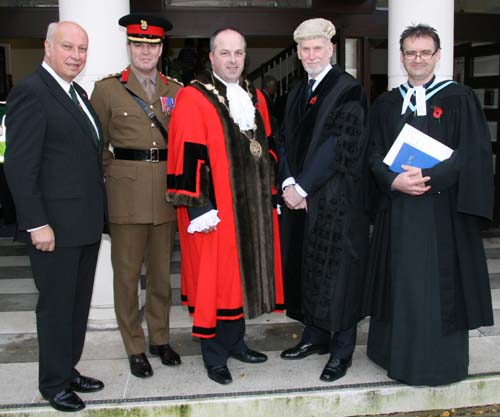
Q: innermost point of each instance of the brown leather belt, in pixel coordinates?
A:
(149, 155)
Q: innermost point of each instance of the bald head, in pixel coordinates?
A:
(66, 47)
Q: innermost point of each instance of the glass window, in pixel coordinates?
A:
(493, 130)
(488, 97)
(486, 66)
(239, 3)
(29, 3)
(352, 56)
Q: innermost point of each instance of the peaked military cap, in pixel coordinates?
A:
(145, 27)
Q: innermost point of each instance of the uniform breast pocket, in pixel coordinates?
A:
(126, 121)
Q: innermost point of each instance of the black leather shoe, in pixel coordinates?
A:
(249, 356)
(66, 400)
(140, 366)
(335, 369)
(86, 384)
(168, 356)
(219, 374)
(302, 350)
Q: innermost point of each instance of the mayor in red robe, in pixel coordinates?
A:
(216, 167)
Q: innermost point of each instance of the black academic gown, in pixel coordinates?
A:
(428, 281)
(324, 145)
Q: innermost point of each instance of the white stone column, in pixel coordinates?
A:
(107, 54)
(437, 13)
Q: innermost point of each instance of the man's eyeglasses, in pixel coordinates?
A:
(424, 55)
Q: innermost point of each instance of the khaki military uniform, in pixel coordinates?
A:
(142, 223)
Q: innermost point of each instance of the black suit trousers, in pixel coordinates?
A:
(341, 343)
(229, 338)
(64, 279)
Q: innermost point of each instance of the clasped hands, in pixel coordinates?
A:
(411, 181)
(293, 199)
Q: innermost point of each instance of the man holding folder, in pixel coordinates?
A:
(428, 281)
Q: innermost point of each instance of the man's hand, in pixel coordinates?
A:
(209, 230)
(293, 199)
(43, 239)
(411, 181)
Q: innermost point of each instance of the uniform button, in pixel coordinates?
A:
(154, 144)
(125, 113)
(152, 125)
(151, 106)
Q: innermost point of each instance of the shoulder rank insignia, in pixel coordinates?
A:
(166, 79)
(106, 77)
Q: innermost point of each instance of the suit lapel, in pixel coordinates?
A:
(63, 98)
(83, 95)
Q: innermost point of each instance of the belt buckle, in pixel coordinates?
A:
(155, 155)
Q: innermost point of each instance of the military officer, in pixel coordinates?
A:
(134, 108)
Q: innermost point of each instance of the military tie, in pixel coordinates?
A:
(149, 88)
(310, 85)
(72, 93)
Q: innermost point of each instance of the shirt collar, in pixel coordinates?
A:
(63, 83)
(426, 85)
(222, 81)
(141, 79)
(320, 77)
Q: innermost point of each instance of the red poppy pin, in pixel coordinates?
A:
(438, 112)
(313, 100)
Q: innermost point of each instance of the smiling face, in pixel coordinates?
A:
(228, 56)
(315, 55)
(420, 70)
(144, 57)
(66, 50)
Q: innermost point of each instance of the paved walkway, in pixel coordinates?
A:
(278, 388)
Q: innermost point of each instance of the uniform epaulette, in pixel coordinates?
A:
(106, 77)
(166, 79)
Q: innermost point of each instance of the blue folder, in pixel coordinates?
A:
(408, 155)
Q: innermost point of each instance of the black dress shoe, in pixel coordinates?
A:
(302, 350)
(140, 366)
(249, 356)
(86, 384)
(219, 374)
(66, 400)
(168, 356)
(335, 369)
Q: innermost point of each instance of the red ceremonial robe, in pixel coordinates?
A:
(234, 271)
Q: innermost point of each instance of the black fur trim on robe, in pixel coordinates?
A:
(189, 181)
(252, 203)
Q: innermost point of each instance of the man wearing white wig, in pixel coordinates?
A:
(323, 174)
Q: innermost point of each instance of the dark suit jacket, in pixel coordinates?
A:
(53, 164)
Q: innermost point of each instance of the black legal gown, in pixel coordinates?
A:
(428, 281)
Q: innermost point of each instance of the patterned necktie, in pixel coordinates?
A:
(310, 85)
(72, 93)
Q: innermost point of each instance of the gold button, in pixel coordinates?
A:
(125, 113)
(152, 125)
(154, 143)
(151, 106)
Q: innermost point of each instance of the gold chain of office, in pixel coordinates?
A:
(254, 145)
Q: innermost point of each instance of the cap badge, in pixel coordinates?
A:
(144, 25)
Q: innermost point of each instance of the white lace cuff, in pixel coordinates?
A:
(204, 222)
(300, 191)
(287, 182)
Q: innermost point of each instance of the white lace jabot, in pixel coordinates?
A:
(240, 106)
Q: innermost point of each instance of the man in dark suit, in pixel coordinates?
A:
(53, 167)
(324, 172)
